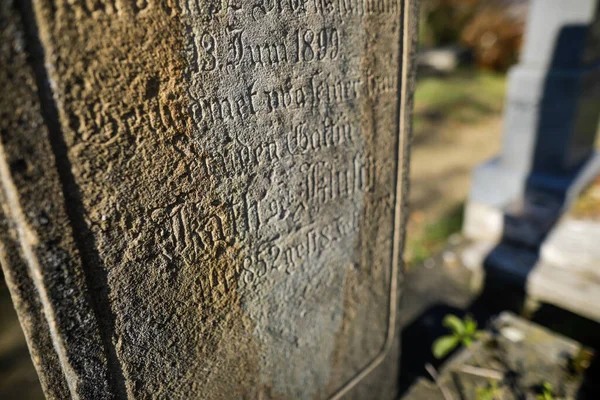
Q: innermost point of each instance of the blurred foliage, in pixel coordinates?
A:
(442, 21)
(491, 29)
(433, 237)
(495, 33)
(547, 393)
(489, 392)
(462, 332)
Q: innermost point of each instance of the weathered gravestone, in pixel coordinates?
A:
(204, 199)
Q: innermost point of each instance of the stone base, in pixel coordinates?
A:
(564, 273)
(495, 208)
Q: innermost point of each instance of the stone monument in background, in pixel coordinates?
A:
(550, 125)
(517, 209)
(205, 199)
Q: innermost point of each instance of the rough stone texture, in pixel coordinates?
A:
(37, 250)
(207, 199)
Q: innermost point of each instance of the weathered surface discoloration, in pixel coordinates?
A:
(235, 180)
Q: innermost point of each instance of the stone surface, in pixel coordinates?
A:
(37, 252)
(575, 288)
(489, 203)
(548, 20)
(206, 199)
(573, 245)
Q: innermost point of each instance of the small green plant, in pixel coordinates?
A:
(463, 331)
(489, 392)
(547, 392)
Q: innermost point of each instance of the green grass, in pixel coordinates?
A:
(446, 104)
(433, 237)
(464, 97)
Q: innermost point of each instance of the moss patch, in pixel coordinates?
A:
(588, 204)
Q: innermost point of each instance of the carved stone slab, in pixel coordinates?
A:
(205, 199)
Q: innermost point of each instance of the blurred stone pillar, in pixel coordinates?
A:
(550, 125)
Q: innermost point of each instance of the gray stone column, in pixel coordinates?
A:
(551, 121)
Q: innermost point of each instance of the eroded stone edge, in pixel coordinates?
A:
(407, 75)
(38, 251)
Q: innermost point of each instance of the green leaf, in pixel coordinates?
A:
(489, 392)
(547, 392)
(454, 323)
(444, 345)
(470, 326)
